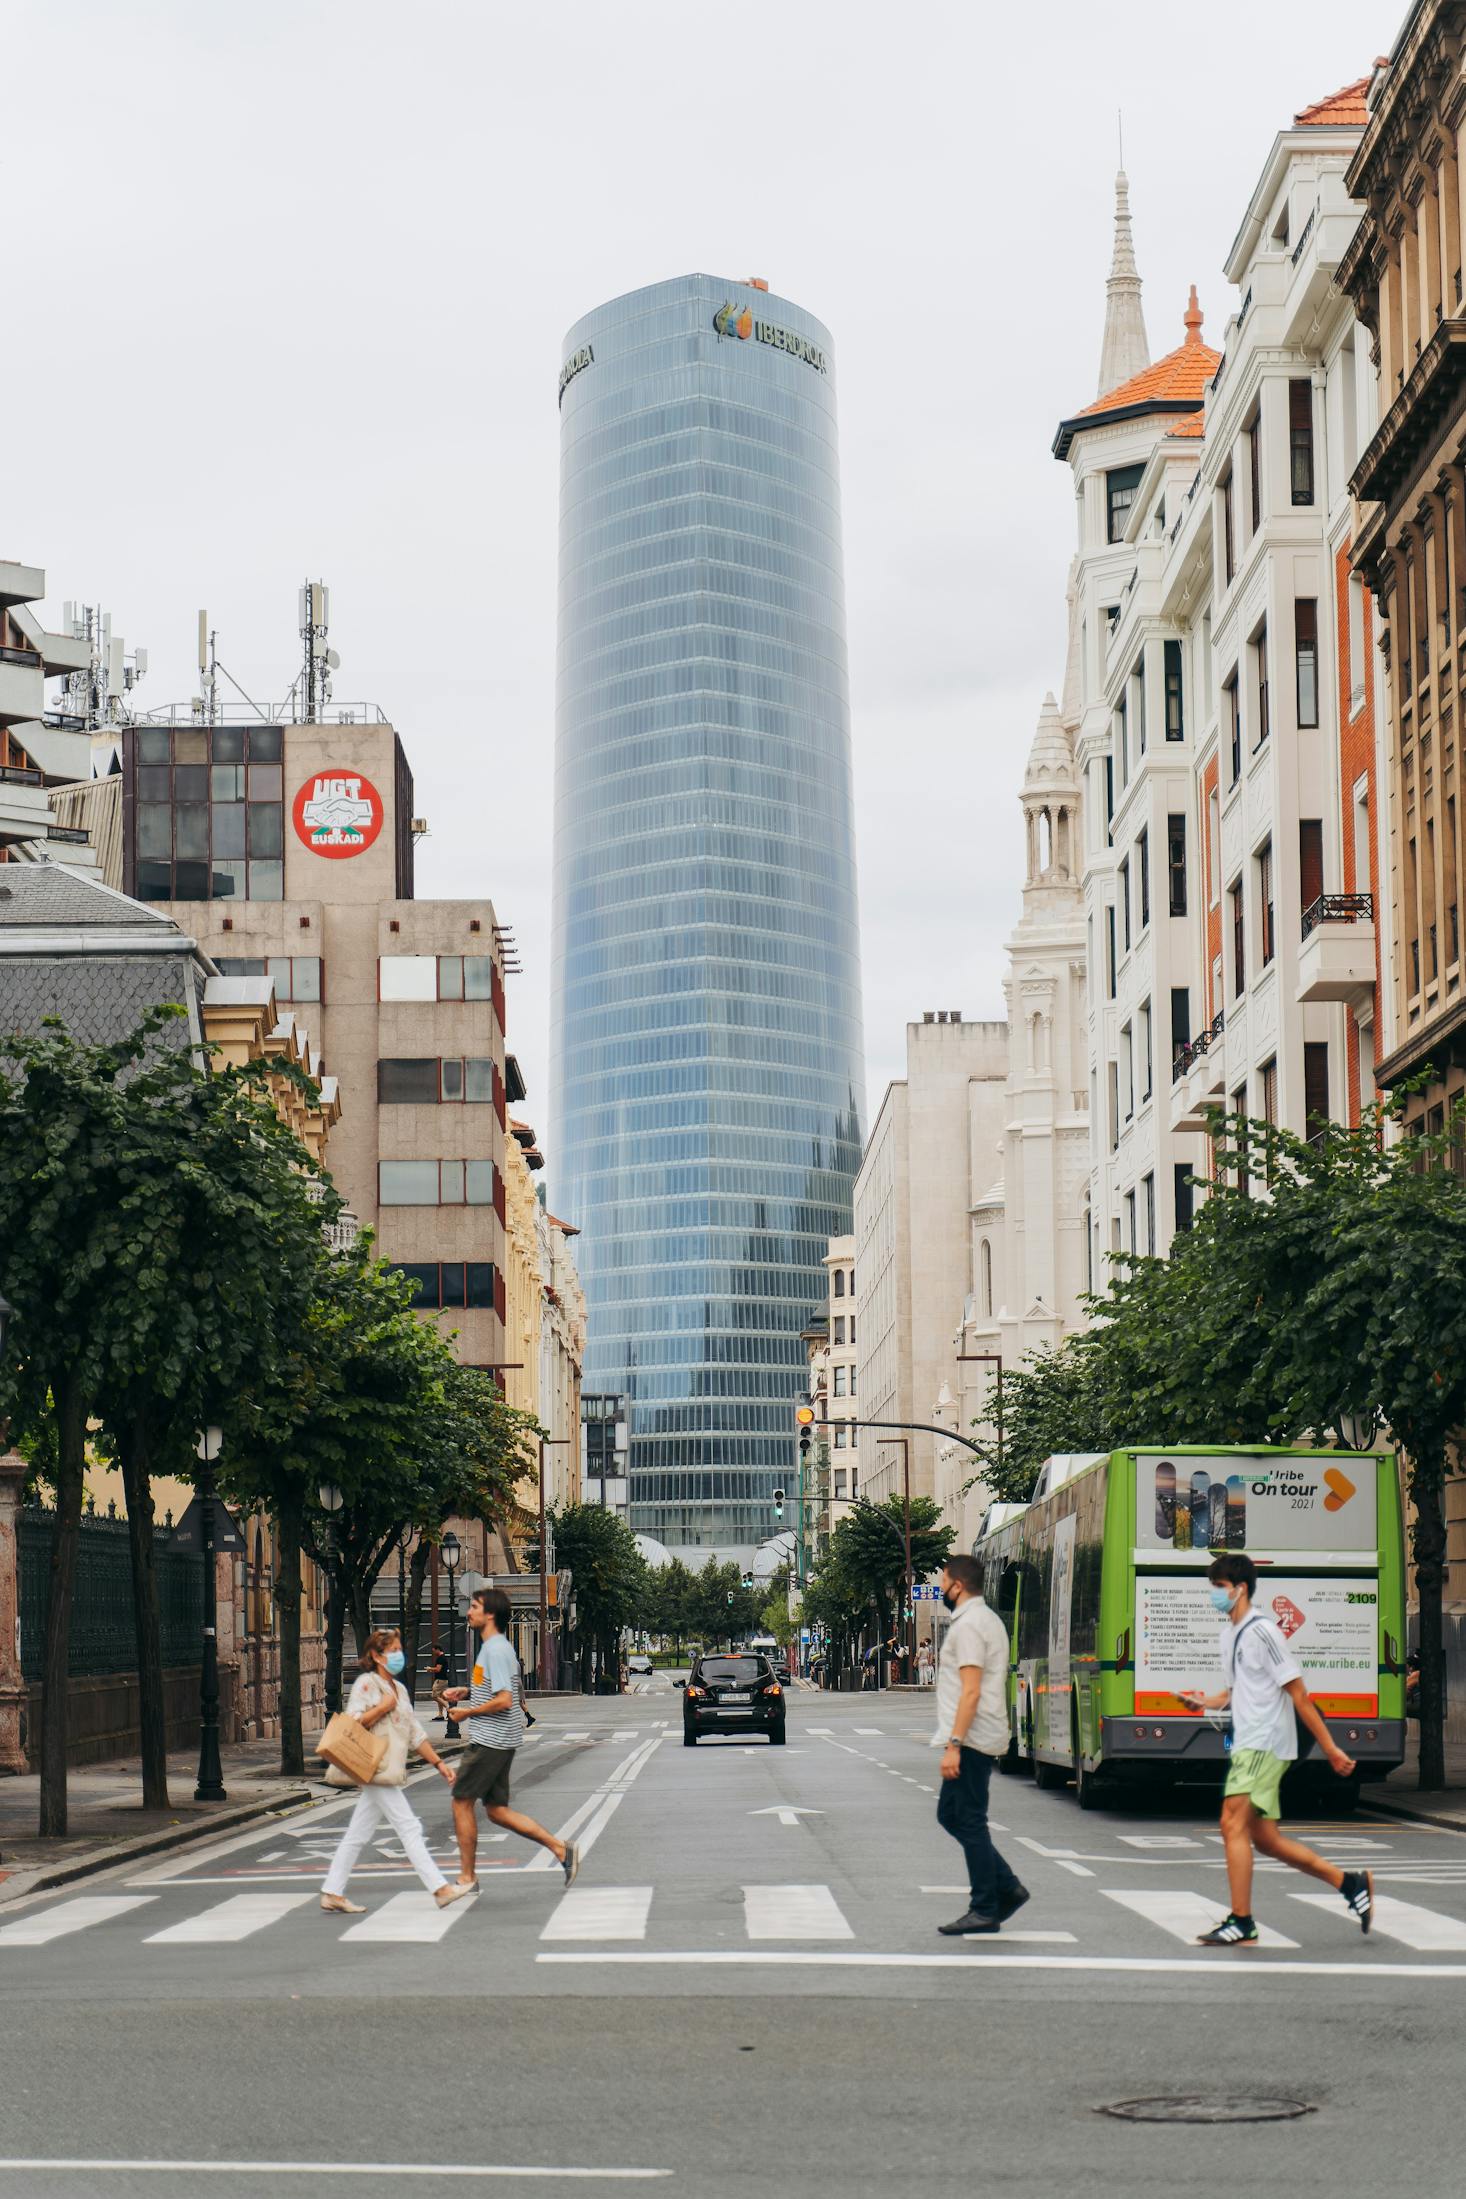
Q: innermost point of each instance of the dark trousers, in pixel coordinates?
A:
(962, 1811)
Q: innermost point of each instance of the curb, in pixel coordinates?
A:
(40, 1880)
(1416, 1813)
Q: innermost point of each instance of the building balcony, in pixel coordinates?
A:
(1337, 960)
(1198, 1078)
(20, 583)
(22, 685)
(25, 812)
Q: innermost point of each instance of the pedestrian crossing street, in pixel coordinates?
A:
(773, 1916)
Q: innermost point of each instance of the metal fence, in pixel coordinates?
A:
(103, 1634)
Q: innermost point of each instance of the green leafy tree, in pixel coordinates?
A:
(608, 1584)
(868, 1547)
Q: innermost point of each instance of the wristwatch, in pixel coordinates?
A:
(954, 1741)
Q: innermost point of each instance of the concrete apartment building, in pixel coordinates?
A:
(934, 1142)
(287, 850)
(36, 757)
(1224, 720)
(832, 1349)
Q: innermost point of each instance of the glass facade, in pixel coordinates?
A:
(208, 812)
(706, 1025)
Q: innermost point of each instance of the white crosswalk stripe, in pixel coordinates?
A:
(240, 1917)
(793, 1912)
(1185, 1916)
(600, 1912)
(413, 1917)
(69, 1916)
(1423, 1929)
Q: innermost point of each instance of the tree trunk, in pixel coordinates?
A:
(361, 1611)
(135, 1452)
(287, 1603)
(1429, 1538)
(71, 1423)
(417, 1574)
(335, 1631)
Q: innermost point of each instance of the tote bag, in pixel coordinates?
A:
(351, 1751)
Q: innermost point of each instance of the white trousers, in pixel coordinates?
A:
(374, 1805)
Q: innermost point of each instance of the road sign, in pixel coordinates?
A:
(928, 1592)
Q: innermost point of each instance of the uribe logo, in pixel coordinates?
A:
(1340, 1489)
(732, 320)
(338, 813)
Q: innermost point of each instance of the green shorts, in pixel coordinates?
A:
(1258, 1774)
(483, 1776)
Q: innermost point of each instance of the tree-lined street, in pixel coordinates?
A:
(752, 1941)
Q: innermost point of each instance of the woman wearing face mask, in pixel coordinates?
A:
(378, 1698)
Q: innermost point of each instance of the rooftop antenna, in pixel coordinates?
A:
(320, 662)
(208, 670)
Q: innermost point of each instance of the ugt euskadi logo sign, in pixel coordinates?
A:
(338, 813)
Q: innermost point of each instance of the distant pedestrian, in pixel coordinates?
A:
(490, 1712)
(869, 1671)
(972, 1731)
(1265, 1688)
(924, 1665)
(378, 1699)
(439, 1682)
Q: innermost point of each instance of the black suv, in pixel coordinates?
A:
(737, 1693)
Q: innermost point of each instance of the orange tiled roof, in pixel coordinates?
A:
(1190, 423)
(1179, 379)
(1342, 110)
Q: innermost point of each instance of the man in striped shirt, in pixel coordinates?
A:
(1265, 1688)
(490, 1711)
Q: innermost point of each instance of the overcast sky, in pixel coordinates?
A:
(287, 286)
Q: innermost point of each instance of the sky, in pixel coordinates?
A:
(288, 286)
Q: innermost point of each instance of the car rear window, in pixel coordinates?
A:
(744, 1669)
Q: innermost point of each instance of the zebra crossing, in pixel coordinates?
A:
(773, 1916)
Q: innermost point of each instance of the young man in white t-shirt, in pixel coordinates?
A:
(972, 1733)
(1264, 1689)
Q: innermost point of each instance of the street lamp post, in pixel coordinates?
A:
(13, 1693)
(331, 1501)
(547, 1443)
(450, 1550)
(906, 1538)
(210, 1786)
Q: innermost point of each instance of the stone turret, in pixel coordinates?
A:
(1125, 350)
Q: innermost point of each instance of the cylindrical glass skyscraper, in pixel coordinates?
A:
(706, 1024)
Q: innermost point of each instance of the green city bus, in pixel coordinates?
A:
(1101, 1583)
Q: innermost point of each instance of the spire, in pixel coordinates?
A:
(1125, 350)
(1193, 318)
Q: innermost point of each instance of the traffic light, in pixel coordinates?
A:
(747, 1580)
(730, 1595)
(804, 1422)
(778, 1504)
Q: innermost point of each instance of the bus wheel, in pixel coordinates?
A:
(1089, 1792)
(1049, 1776)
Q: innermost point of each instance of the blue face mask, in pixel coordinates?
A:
(1221, 1599)
(395, 1662)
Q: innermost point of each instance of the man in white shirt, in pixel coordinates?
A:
(1264, 1689)
(972, 1733)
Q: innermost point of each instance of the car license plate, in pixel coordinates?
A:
(737, 1698)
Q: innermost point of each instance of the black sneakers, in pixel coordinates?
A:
(1011, 1902)
(1358, 1893)
(972, 1921)
(1233, 1931)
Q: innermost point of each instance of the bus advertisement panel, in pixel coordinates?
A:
(1332, 1628)
(1237, 1501)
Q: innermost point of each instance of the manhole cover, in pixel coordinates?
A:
(1192, 2108)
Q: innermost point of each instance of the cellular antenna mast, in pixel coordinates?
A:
(208, 701)
(314, 688)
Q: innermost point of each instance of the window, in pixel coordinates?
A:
(435, 1183)
(297, 976)
(1109, 792)
(1265, 902)
(1138, 682)
(1270, 1092)
(1127, 1070)
(1305, 645)
(839, 1439)
(1148, 1195)
(1147, 1067)
(417, 1080)
(1239, 1107)
(985, 1275)
(1254, 471)
(839, 1328)
(1110, 972)
(839, 1282)
(1310, 862)
(1185, 1193)
(839, 1382)
(1142, 849)
(853, 1372)
(1234, 725)
(852, 1292)
(209, 826)
(451, 1283)
(1239, 940)
(1176, 864)
(1259, 673)
(852, 1328)
(1316, 1085)
(1180, 1017)
(1120, 487)
(1300, 440)
(1175, 694)
(1229, 553)
(1114, 1096)
(1130, 1219)
(1123, 882)
(840, 1480)
(405, 977)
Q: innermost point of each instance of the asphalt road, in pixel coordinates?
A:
(745, 1986)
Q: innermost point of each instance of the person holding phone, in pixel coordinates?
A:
(1266, 1694)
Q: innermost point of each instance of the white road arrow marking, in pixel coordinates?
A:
(785, 1814)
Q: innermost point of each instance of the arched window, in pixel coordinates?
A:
(1045, 843)
(985, 1275)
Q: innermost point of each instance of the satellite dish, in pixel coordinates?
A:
(333, 660)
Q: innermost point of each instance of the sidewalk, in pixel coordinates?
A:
(108, 1823)
(1400, 1795)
